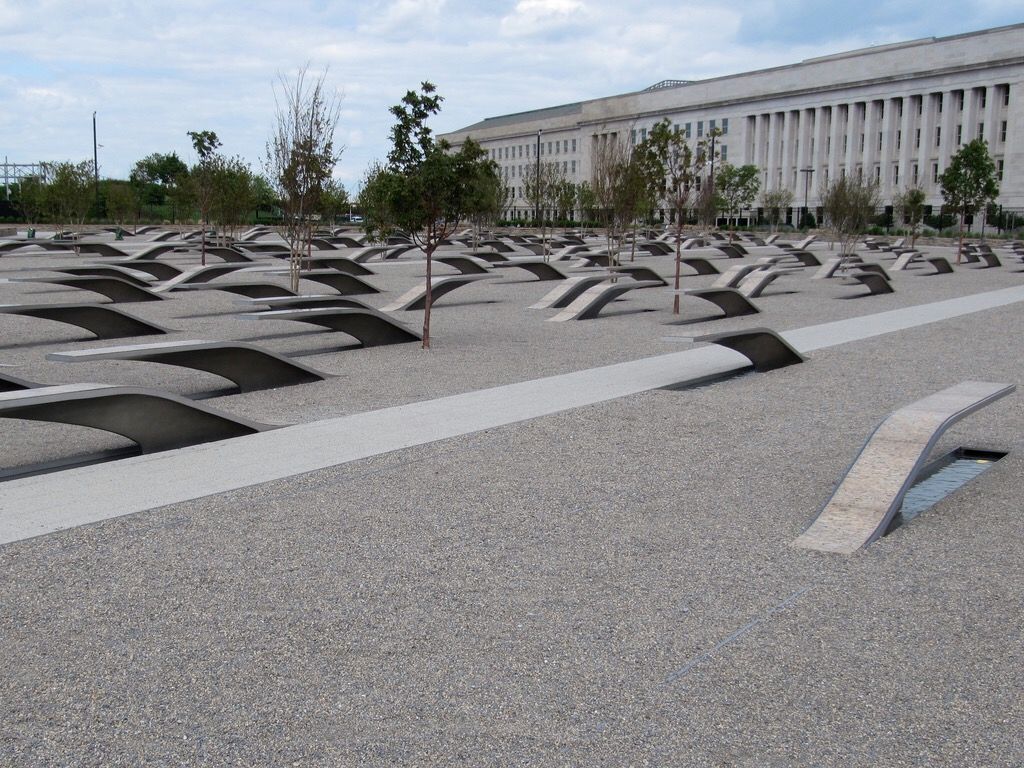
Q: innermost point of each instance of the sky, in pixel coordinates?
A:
(152, 71)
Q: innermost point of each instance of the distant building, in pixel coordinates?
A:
(895, 113)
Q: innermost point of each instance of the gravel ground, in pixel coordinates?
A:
(609, 586)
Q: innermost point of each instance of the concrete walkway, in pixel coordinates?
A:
(38, 505)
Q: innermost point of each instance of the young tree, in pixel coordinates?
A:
(909, 206)
(775, 202)
(425, 188)
(674, 159)
(70, 192)
(122, 202)
(609, 166)
(586, 202)
(333, 201)
(968, 183)
(736, 188)
(540, 189)
(301, 155)
(234, 193)
(203, 178)
(849, 205)
(157, 179)
(486, 193)
(31, 198)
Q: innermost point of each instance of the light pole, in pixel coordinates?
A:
(807, 183)
(95, 164)
(536, 192)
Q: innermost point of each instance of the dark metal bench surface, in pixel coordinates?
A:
(250, 367)
(155, 420)
(105, 321)
(369, 327)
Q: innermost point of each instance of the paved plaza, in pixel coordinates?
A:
(530, 545)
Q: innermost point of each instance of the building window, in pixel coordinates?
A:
(828, 145)
(574, 145)
(520, 150)
(725, 126)
(711, 125)
(845, 143)
(565, 166)
(940, 103)
(915, 176)
(1006, 96)
(959, 135)
(935, 172)
(632, 137)
(960, 101)
(895, 175)
(917, 139)
(643, 134)
(1002, 132)
(938, 136)
(920, 105)
(861, 143)
(899, 107)
(981, 130)
(899, 140)
(700, 128)
(999, 169)
(725, 152)
(558, 147)
(689, 133)
(574, 166)
(984, 97)
(549, 147)
(879, 141)
(878, 173)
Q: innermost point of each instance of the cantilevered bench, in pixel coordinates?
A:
(106, 249)
(141, 279)
(114, 288)
(831, 266)
(874, 282)
(252, 290)
(863, 505)
(699, 265)
(568, 291)
(466, 265)
(161, 270)
(369, 327)
(344, 284)
(988, 259)
(590, 303)
(157, 421)
(753, 285)
(250, 367)
(762, 346)
(199, 275)
(734, 275)
(866, 266)
(729, 300)
(342, 264)
(904, 260)
(941, 264)
(638, 273)
(10, 383)
(309, 301)
(416, 297)
(539, 267)
(231, 255)
(105, 321)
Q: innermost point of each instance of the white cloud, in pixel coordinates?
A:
(534, 17)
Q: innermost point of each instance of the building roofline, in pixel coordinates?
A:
(538, 114)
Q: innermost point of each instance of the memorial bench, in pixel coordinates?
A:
(155, 420)
(250, 367)
(104, 321)
(870, 494)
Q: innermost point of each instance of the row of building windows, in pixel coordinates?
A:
(520, 171)
(559, 147)
(686, 129)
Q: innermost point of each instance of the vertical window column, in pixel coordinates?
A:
(993, 104)
(835, 140)
(906, 150)
(886, 157)
(854, 126)
(950, 119)
(929, 118)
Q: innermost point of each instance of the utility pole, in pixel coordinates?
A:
(95, 164)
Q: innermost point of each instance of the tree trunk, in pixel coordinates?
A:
(679, 262)
(960, 247)
(428, 299)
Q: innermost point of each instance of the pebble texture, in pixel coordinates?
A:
(604, 586)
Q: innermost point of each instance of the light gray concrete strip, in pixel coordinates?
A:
(46, 503)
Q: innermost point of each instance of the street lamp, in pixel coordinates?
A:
(536, 191)
(807, 182)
